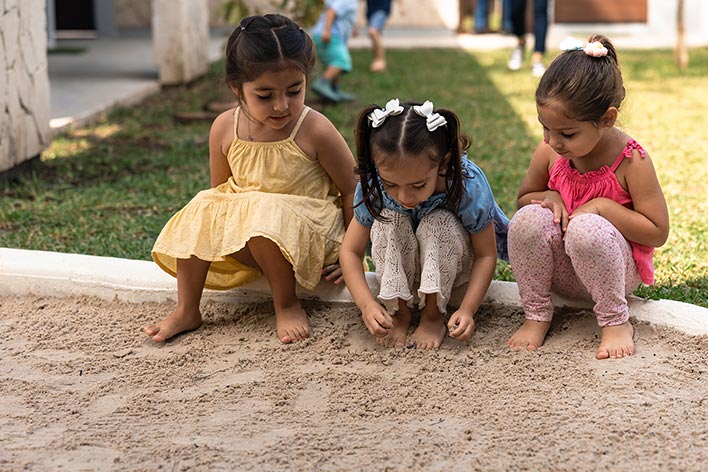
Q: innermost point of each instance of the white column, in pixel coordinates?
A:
(24, 82)
(180, 32)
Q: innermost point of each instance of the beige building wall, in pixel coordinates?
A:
(138, 13)
(180, 30)
(24, 82)
(411, 13)
(423, 13)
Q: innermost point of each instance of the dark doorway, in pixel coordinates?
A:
(75, 18)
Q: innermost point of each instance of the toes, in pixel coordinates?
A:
(295, 334)
(602, 353)
(151, 330)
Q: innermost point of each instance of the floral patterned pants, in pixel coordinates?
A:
(592, 261)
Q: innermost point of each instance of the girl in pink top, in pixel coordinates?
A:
(591, 210)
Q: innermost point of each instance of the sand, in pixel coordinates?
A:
(82, 388)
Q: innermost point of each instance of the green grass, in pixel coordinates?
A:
(108, 189)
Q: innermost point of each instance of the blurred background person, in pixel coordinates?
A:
(331, 34)
(377, 13)
(517, 17)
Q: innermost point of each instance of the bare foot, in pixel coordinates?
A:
(616, 341)
(396, 336)
(530, 336)
(430, 332)
(378, 65)
(179, 321)
(291, 324)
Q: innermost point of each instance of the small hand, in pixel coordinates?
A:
(377, 319)
(554, 202)
(333, 273)
(461, 325)
(326, 37)
(592, 207)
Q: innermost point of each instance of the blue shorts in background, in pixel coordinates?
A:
(335, 53)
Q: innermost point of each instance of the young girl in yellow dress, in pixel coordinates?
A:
(282, 181)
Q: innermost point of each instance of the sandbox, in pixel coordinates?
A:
(84, 389)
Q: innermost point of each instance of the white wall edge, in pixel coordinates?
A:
(44, 273)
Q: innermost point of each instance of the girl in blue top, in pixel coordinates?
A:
(432, 221)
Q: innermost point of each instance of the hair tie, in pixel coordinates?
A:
(594, 49)
(378, 116)
(432, 120)
(247, 21)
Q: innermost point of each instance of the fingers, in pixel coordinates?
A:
(460, 327)
(378, 321)
(384, 320)
(333, 273)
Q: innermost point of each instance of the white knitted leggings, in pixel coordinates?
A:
(433, 259)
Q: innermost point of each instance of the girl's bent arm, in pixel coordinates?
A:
(351, 258)
(534, 188)
(336, 158)
(484, 248)
(221, 136)
(648, 222)
(535, 183)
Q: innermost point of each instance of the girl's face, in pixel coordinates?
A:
(274, 99)
(568, 137)
(412, 180)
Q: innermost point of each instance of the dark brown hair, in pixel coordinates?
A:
(267, 43)
(403, 135)
(586, 86)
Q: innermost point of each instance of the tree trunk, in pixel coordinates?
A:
(681, 51)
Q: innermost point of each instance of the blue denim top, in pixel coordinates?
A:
(477, 206)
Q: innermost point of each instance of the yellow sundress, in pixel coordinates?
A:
(275, 191)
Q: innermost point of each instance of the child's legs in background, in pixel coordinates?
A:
(336, 60)
(445, 255)
(376, 21)
(540, 26)
(394, 249)
(602, 259)
(539, 262)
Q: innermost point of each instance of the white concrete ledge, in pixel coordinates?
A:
(24, 272)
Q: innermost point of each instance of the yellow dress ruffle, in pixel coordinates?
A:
(275, 191)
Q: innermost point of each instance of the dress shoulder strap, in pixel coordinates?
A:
(627, 153)
(236, 113)
(303, 114)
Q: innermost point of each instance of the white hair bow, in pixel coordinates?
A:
(378, 116)
(594, 49)
(571, 44)
(432, 120)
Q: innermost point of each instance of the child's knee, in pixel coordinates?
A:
(437, 220)
(588, 236)
(531, 223)
(392, 223)
(442, 226)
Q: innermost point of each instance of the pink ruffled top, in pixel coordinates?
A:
(576, 189)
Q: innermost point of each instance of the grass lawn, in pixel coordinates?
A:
(108, 189)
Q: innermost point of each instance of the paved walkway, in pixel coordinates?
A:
(108, 72)
(122, 71)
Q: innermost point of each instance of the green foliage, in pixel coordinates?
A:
(303, 12)
(108, 189)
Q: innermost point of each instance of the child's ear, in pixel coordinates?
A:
(235, 91)
(608, 119)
